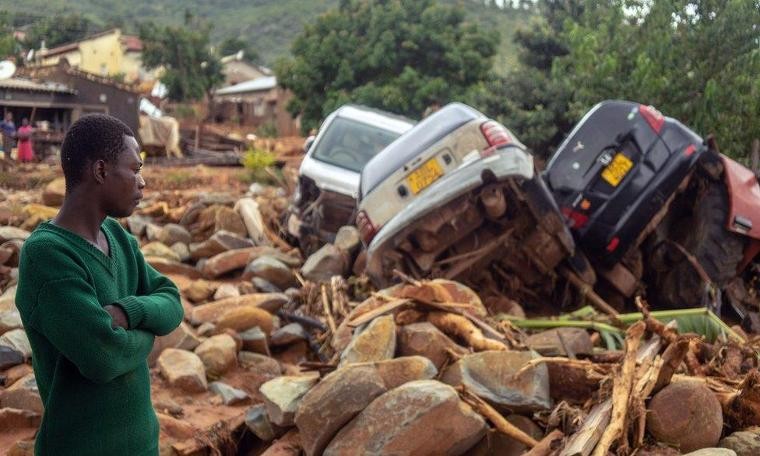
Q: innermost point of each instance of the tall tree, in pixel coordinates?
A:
(8, 45)
(55, 30)
(190, 69)
(398, 55)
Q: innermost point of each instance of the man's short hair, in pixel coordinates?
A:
(93, 137)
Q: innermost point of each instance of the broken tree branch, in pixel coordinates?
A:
(326, 308)
(499, 422)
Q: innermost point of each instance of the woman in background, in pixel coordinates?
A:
(24, 134)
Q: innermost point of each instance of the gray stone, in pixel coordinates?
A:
(397, 371)
(183, 369)
(219, 242)
(160, 250)
(291, 259)
(9, 358)
(554, 342)
(228, 220)
(8, 299)
(422, 417)
(744, 443)
(264, 286)
(375, 343)
(424, 339)
(17, 340)
(325, 263)
(271, 270)
(282, 396)
(183, 338)
(348, 239)
(288, 334)
(248, 209)
(226, 290)
(182, 251)
(137, 224)
(153, 232)
(255, 340)
(257, 421)
(230, 395)
(260, 364)
(172, 233)
(206, 329)
(490, 375)
(23, 394)
(9, 319)
(218, 354)
(335, 401)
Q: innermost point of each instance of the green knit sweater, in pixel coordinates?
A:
(94, 380)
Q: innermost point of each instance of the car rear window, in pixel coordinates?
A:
(351, 144)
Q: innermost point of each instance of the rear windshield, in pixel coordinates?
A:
(351, 144)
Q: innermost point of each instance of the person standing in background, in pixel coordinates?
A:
(8, 131)
(24, 135)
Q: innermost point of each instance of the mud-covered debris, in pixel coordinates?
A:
(183, 369)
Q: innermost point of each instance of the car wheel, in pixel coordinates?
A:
(717, 250)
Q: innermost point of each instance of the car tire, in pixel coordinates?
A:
(717, 250)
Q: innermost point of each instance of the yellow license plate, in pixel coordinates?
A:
(617, 169)
(424, 175)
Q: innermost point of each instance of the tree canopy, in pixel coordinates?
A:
(695, 60)
(190, 69)
(59, 29)
(397, 55)
(233, 45)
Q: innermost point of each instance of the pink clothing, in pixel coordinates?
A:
(25, 152)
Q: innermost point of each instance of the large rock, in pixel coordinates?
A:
(153, 232)
(158, 249)
(422, 417)
(226, 290)
(183, 369)
(334, 402)
(325, 263)
(165, 266)
(556, 342)
(744, 443)
(376, 343)
(39, 212)
(183, 338)
(9, 233)
(199, 290)
(254, 222)
(54, 192)
(227, 219)
(9, 358)
(218, 353)
(255, 340)
(219, 242)
(291, 259)
(23, 394)
(283, 395)
(712, 452)
(348, 239)
(182, 251)
(490, 375)
(243, 318)
(172, 233)
(9, 319)
(687, 415)
(259, 364)
(211, 311)
(137, 224)
(257, 421)
(8, 299)
(226, 262)
(271, 270)
(426, 340)
(16, 339)
(13, 418)
(288, 334)
(395, 372)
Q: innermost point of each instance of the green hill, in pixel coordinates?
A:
(270, 25)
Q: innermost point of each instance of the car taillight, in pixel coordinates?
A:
(577, 220)
(653, 117)
(495, 133)
(366, 229)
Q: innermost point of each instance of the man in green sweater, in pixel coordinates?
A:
(91, 305)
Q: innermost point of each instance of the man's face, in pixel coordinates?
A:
(123, 182)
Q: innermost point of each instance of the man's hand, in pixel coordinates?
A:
(118, 317)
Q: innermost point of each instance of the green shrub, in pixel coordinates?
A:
(260, 165)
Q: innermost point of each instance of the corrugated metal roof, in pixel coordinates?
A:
(26, 84)
(254, 85)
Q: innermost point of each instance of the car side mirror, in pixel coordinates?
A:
(307, 144)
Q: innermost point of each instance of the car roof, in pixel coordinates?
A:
(382, 119)
(413, 142)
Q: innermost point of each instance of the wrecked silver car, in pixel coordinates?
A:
(456, 193)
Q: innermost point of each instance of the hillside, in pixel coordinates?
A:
(270, 25)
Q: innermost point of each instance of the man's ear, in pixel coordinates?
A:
(99, 171)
